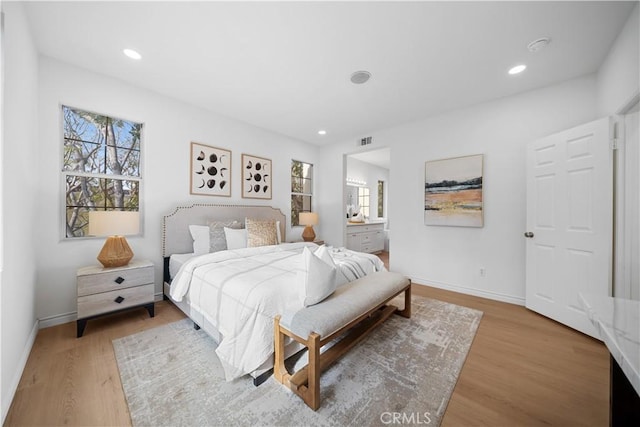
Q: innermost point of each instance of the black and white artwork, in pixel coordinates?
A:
(210, 170)
(256, 177)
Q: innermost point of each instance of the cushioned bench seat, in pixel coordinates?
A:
(358, 306)
(345, 305)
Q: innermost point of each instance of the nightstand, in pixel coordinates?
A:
(108, 290)
(319, 242)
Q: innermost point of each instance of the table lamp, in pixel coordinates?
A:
(114, 224)
(309, 219)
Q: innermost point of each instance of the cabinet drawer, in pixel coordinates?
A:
(378, 240)
(107, 281)
(104, 302)
(365, 228)
(353, 241)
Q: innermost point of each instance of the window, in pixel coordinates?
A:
(363, 200)
(101, 166)
(380, 199)
(301, 189)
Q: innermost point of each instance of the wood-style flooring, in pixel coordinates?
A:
(522, 370)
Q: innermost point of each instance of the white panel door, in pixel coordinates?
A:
(569, 222)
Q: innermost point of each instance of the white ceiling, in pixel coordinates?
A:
(285, 66)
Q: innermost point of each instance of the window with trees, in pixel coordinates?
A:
(380, 199)
(301, 189)
(363, 200)
(101, 166)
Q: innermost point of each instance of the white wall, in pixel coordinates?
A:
(371, 174)
(20, 179)
(169, 127)
(450, 257)
(619, 74)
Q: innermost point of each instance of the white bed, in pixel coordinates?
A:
(235, 294)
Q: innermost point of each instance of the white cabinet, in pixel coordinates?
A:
(368, 237)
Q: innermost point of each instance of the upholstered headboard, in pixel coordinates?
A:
(176, 238)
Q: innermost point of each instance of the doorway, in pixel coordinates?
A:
(583, 212)
(366, 198)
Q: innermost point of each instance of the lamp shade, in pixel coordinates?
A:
(113, 223)
(308, 218)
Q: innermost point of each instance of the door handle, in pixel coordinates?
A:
(528, 234)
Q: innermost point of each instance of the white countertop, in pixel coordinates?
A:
(350, 224)
(617, 321)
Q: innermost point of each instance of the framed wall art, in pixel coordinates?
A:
(256, 177)
(210, 170)
(453, 192)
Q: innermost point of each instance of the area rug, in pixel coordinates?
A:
(403, 373)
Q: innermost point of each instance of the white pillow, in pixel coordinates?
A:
(323, 253)
(318, 277)
(200, 236)
(236, 238)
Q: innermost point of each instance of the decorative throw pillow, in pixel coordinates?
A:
(278, 233)
(260, 232)
(217, 238)
(236, 238)
(200, 236)
(318, 276)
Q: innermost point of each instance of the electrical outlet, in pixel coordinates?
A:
(483, 272)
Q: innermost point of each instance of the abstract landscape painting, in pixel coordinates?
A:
(453, 192)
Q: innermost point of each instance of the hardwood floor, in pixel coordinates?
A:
(384, 256)
(523, 369)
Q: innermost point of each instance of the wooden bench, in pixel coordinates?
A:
(358, 306)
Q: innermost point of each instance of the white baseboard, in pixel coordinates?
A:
(45, 322)
(469, 291)
(22, 363)
(58, 319)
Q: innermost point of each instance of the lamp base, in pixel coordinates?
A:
(115, 252)
(308, 235)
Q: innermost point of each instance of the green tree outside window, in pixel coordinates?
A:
(301, 189)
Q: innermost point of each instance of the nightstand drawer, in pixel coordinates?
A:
(112, 280)
(104, 302)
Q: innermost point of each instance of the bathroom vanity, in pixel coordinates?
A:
(365, 237)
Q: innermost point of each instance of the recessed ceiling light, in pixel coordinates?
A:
(322, 132)
(132, 54)
(360, 77)
(517, 69)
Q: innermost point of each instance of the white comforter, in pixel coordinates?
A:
(241, 291)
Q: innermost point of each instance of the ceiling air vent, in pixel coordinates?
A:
(360, 77)
(365, 141)
(538, 44)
